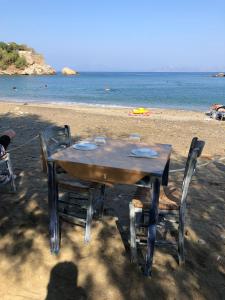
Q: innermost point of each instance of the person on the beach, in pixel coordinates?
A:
(5, 140)
(217, 107)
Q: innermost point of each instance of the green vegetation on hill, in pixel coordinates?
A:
(9, 55)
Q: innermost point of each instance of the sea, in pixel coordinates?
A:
(188, 91)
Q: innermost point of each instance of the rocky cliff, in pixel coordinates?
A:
(33, 63)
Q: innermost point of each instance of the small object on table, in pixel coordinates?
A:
(135, 137)
(100, 140)
(86, 146)
(144, 152)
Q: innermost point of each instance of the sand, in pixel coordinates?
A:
(101, 269)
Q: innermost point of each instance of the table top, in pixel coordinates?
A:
(111, 162)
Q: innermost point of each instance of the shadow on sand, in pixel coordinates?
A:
(24, 223)
(63, 283)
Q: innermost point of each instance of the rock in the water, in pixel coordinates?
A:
(68, 71)
(219, 75)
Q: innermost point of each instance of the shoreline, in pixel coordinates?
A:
(166, 126)
(155, 113)
(74, 105)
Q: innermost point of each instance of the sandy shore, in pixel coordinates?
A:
(176, 127)
(102, 269)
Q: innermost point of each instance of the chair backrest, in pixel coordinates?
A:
(4, 163)
(193, 155)
(195, 143)
(53, 139)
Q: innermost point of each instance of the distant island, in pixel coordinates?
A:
(16, 59)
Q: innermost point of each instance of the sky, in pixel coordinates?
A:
(120, 35)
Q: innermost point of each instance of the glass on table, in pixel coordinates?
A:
(135, 137)
(100, 140)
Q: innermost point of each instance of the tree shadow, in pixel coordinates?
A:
(24, 233)
(24, 215)
(27, 209)
(204, 243)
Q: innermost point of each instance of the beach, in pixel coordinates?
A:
(102, 269)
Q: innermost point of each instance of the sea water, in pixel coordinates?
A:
(194, 91)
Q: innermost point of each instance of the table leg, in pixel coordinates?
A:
(53, 209)
(101, 201)
(165, 176)
(153, 218)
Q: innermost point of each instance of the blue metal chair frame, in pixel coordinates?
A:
(136, 214)
(5, 164)
(62, 208)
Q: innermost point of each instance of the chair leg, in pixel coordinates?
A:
(87, 236)
(181, 257)
(12, 182)
(102, 199)
(150, 250)
(54, 225)
(133, 245)
(153, 218)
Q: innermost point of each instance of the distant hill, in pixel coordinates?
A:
(22, 60)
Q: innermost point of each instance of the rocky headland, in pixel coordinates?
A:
(21, 60)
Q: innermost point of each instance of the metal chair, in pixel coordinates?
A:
(76, 203)
(53, 139)
(6, 169)
(171, 210)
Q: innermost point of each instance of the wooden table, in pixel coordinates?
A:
(111, 164)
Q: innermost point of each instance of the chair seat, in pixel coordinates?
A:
(69, 183)
(168, 200)
(141, 198)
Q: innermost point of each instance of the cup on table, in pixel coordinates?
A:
(135, 137)
(100, 140)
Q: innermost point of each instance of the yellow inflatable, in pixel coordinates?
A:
(141, 111)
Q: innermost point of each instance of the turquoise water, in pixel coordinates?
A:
(196, 91)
